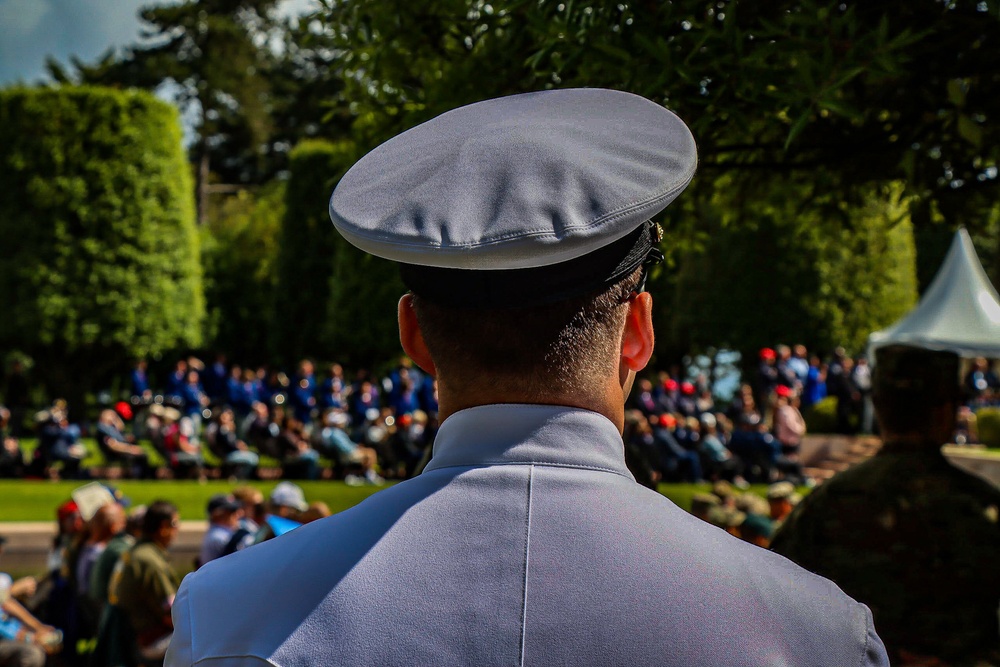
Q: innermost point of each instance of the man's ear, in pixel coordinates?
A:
(637, 339)
(411, 338)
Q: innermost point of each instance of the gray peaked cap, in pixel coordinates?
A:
(519, 200)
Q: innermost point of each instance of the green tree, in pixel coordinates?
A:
(361, 321)
(869, 92)
(307, 245)
(213, 56)
(832, 106)
(239, 252)
(333, 301)
(101, 249)
(872, 91)
(790, 272)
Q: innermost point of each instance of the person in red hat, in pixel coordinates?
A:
(789, 429)
(686, 403)
(677, 461)
(766, 379)
(669, 395)
(60, 600)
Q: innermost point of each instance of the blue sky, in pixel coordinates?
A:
(30, 30)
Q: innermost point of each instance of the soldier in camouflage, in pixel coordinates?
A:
(905, 532)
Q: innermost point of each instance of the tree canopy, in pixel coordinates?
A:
(212, 55)
(836, 107)
(872, 91)
(827, 131)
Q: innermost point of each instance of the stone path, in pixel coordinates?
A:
(28, 544)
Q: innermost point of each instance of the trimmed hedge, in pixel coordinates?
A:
(305, 251)
(97, 215)
(988, 427)
(333, 300)
(822, 417)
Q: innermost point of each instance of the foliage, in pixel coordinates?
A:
(857, 94)
(333, 301)
(307, 99)
(239, 253)
(872, 91)
(821, 417)
(364, 292)
(787, 273)
(809, 114)
(211, 56)
(101, 248)
(255, 82)
(867, 276)
(307, 244)
(988, 427)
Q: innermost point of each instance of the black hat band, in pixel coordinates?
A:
(509, 288)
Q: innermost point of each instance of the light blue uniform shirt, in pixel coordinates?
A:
(526, 541)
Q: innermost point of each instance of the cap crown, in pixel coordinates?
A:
(516, 182)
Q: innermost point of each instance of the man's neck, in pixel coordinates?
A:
(611, 406)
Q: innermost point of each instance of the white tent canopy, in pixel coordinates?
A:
(960, 311)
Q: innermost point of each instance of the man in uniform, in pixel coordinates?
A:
(145, 586)
(521, 226)
(906, 532)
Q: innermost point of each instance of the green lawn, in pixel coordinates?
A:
(37, 500)
(95, 458)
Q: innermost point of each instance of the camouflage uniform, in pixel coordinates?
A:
(915, 539)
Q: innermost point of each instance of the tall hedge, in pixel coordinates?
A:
(239, 247)
(305, 251)
(364, 291)
(334, 302)
(99, 260)
(793, 262)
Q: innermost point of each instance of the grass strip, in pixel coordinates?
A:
(37, 500)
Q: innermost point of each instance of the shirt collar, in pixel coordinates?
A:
(505, 434)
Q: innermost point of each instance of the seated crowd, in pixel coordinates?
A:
(361, 431)
(225, 419)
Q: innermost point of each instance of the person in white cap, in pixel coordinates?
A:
(522, 227)
(286, 502)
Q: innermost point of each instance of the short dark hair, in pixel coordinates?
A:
(158, 513)
(556, 347)
(909, 383)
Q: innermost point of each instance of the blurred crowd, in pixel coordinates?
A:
(675, 431)
(223, 419)
(106, 597)
(746, 515)
(220, 420)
